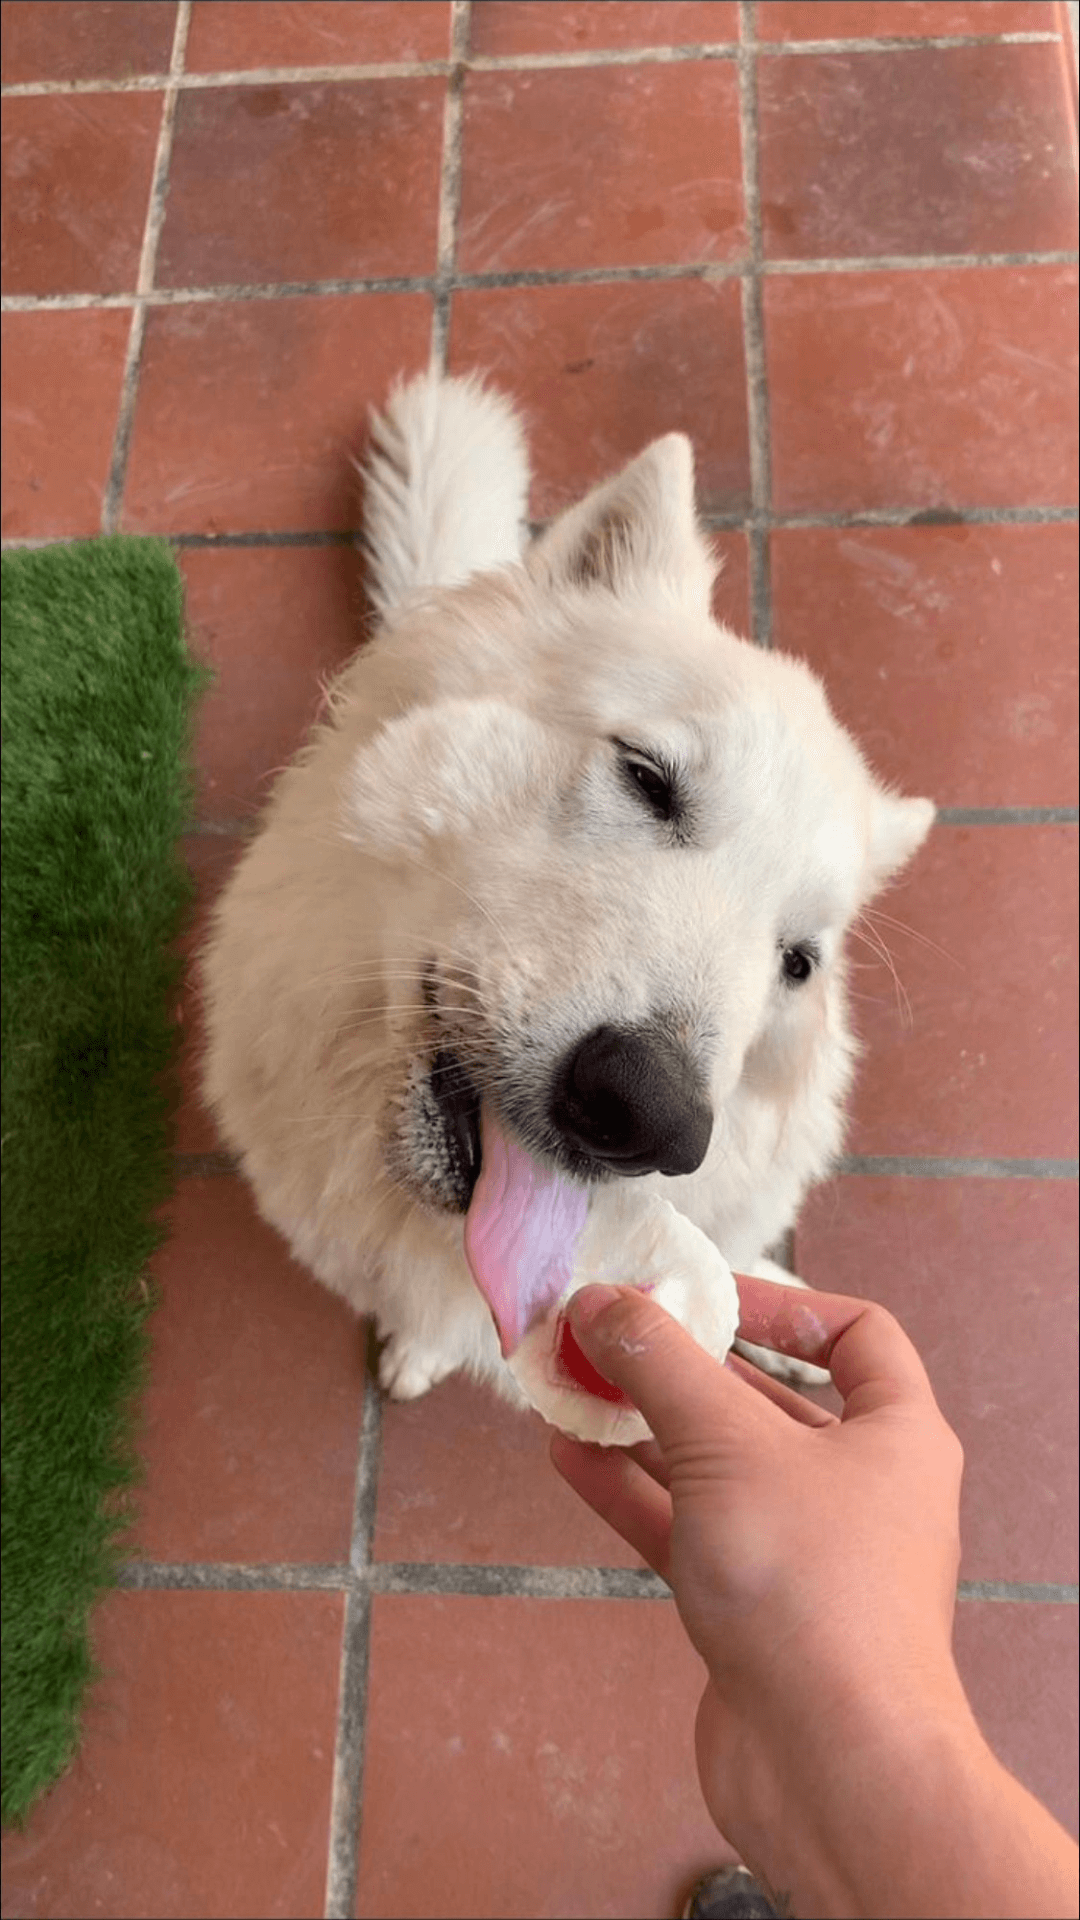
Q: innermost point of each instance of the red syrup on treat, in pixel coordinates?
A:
(581, 1369)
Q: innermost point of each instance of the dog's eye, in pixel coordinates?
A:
(653, 784)
(798, 964)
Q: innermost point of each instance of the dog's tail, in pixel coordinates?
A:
(446, 482)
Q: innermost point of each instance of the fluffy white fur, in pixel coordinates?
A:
(456, 861)
(447, 488)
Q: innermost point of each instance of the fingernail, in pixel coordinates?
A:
(589, 1303)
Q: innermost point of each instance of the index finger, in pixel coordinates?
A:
(871, 1360)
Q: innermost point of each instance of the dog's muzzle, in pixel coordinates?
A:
(632, 1101)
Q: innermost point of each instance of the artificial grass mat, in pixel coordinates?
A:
(97, 697)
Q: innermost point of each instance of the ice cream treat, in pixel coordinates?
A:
(531, 1241)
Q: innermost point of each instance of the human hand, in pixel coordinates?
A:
(813, 1561)
(813, 1558)
(789, 1536)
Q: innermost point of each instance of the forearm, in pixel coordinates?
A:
(905, 1821)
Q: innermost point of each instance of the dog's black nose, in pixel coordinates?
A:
(633, 1100)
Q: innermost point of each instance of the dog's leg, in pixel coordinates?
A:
(433, 1323)
(408, 1369)
(798, 1373)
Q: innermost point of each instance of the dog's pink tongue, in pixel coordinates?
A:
(521, 1231)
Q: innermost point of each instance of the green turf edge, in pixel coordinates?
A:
(98, 695)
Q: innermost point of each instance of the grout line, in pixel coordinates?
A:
(717, 522)
(235, 77)
(438, 1578)
(45, 89)
(1007, 816)
(450, 181)
(897, 43)
(205, 1166)
(743, 269)
(200, 541)
(346, 1792)
(920, 262)
(393, 1578)
(614, 275)
(521, 1583)
(510, 63)
(1042, 1592)
(367, 1467)
(241, 829)
(323, 76)
(114, 485)
(209, 295)
(155, 215)
(227, 1576)
(346, 1799)
(914, 1166)
(928, 517)
(753, 327)
(729, 50)
(563, 61)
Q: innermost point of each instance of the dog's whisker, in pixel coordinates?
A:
(437, 873)
(392, 1008)
(365, 1021)
(416, 1006)
(380, 1205)
(871, 999)
(423, 963)
(872, 939)
(912, 933)
(404, 968)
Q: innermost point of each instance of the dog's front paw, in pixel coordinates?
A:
(407, 1369)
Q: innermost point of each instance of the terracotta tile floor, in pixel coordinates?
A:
(377, 1660)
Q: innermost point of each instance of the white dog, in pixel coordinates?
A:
(565, 855)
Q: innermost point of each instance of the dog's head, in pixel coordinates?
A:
(620, 849)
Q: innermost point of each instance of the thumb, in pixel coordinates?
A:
(685, 1394)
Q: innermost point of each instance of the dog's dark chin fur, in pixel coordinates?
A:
(434, 1147)
(431, 1134)
(458, 1105)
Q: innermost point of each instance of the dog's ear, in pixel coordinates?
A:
(438, 772)
(637, 533)
(899, 827)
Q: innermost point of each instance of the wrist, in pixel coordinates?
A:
(882, 1828)
(902, 1811)
(832, 1809)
